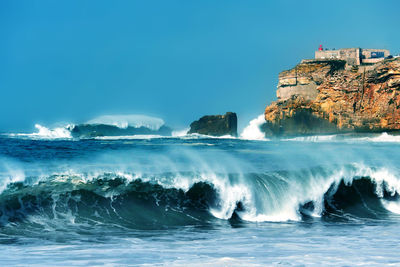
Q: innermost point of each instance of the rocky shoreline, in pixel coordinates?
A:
(325, 97)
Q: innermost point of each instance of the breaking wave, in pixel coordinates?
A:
(159, 200)
(383, 137)
(108, 127)
(253, 130)
(125, 121)
(349, 138)
(47, 133)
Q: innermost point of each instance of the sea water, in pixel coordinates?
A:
(199, 201)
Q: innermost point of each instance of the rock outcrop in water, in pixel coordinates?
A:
(98, 130)
(321, 97)
(216, 125)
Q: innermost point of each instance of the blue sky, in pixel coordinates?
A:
(72, 60)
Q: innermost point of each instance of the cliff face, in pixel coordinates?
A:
(216, 125)
(323, 97)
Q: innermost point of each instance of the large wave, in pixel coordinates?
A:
(165, 199)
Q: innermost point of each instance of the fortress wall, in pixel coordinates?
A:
(307, 91)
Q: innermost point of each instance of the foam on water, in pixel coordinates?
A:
(273, 196)
(10, 172)
(180, 133)
(383, 137)
(46, 133)
(129, 137)
(123, 121)
(196, 204)
(253, 131)
(314, 138)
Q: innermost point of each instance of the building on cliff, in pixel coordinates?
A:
(353, 56)
(303, 79)
(325, 97)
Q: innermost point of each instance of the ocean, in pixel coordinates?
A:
(199, 201)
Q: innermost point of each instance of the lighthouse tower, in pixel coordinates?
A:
(320, 48)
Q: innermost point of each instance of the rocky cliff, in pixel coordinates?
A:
(216, 125)
(318, 97)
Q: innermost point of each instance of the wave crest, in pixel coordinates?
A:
(167, 199)
(124, 121)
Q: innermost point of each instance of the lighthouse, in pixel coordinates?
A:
(320, 48)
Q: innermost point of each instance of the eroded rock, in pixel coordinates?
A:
(216, 125)
(341, 101)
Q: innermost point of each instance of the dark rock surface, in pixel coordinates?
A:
(216, 125)
(303, 122)
(95, 130)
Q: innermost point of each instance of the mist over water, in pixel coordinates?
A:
(84, 181)
(145, 192)
(253, 131)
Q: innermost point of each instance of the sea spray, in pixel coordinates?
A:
(134, 120)
(46, 133)
(223, 190)
(253, 131)
(112, 197)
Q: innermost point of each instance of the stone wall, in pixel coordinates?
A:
(307, 91)
(350, 55)
(366, 53)
(304, 79)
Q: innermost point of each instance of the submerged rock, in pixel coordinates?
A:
(322, 97)
(216, 125)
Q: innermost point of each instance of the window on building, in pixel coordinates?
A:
(377, 54)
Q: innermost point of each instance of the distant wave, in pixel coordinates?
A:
(146, 127)
(46, 133)
(383, 137)
(179, 133)
(107, 127)
(173, 136)
(129, 137)
(351, 138)
(124, 121)
(314, 138)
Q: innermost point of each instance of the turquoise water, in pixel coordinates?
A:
(194, 200)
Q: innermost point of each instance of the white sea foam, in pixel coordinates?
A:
(123, 121)
(46, 133)
(130, 137)
(179, 133)
(60, 132)
(10, 172)
(272, 196)
(204, 136)
(383, 137)
(392, 206)
(253, 131)
(313, 138)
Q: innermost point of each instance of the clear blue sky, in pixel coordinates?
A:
(72, 60)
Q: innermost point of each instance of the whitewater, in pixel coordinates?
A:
(196, 200)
